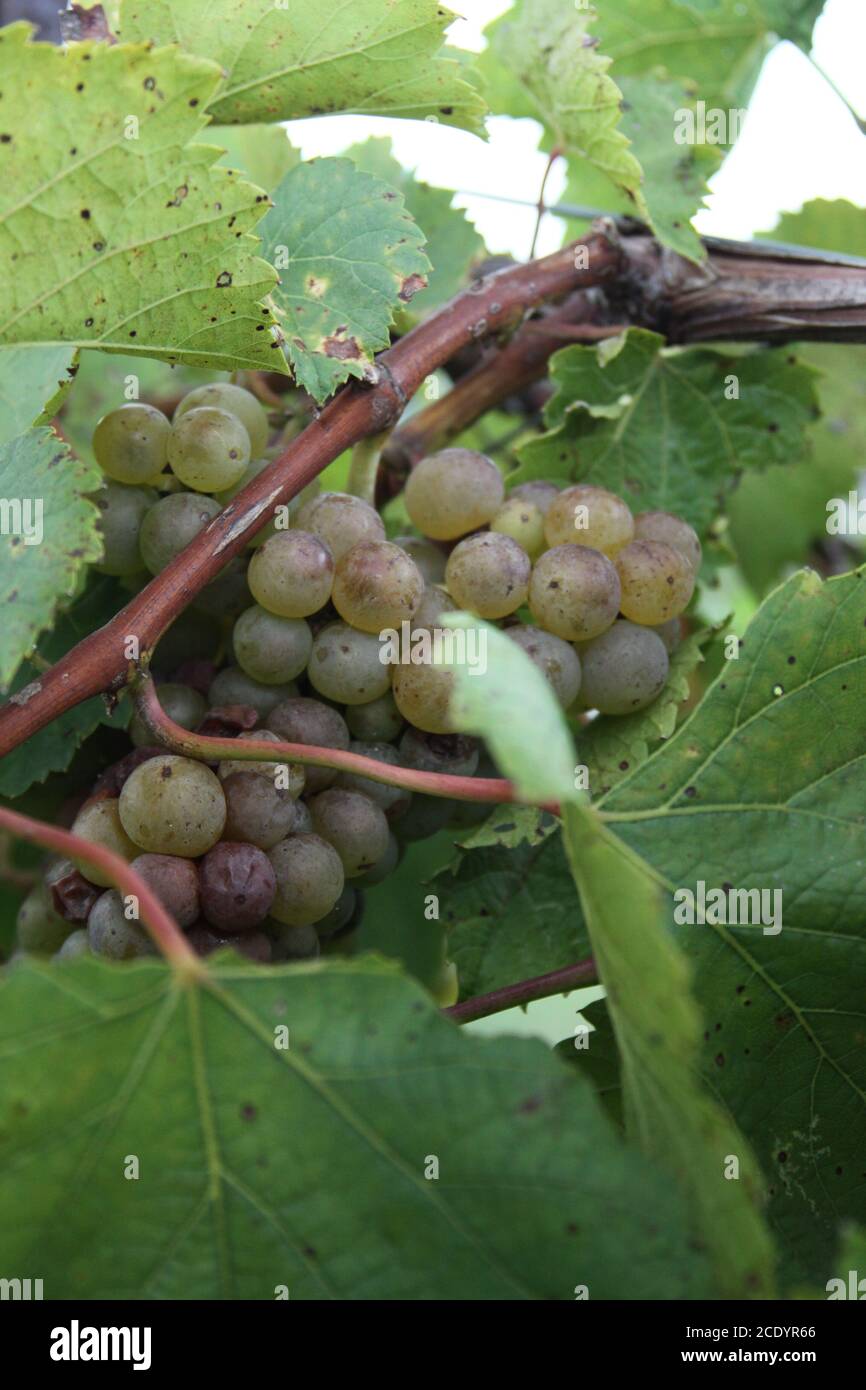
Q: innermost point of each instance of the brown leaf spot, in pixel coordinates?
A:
(411, 285)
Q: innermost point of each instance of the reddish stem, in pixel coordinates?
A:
(583, 972)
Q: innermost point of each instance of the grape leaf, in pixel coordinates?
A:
(825, 224)
(596, 1057)
(510, 825)
(657, 1026)
(282, 62)
(262, 153)
(32, 383)
(48, 535)
(763, 788)
(348, 253)
(792, 19)
(115, 232)
(309, 1168)
(658, 426)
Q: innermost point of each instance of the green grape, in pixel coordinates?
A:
(234, 687)
(488, 574)
(121, 512)
(170, 525)
(340, 521)
(434, 602)
(180, 702)
(445, 988)
(392, 800)
(453, 492)
(208, 449)
(354, 825)
(289, 777)
(377, 721)
(39, 927)
(523, 521)
(260, 813)
(623, 670)
(426, 816)
(671, 634)
(341, 914)
(672, 531)
(271, 649)
(224, 395)
(456, 754)
(130, 443)
(539, 492)
(556, 660)
(589, 516)
(101, 823)
(75, 945)
(226, 596)
(172, 805)
(311, 722)
(574, 592)
(292, 943)
(423, 695)
(427, 556)
(657, 582)
(376, 586)
(383, 867)
(111, 933)
(292, 574)
(345, 666)
(309, 876)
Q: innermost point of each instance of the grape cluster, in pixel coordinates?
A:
(286, 646)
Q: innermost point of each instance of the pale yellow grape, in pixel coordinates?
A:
(557, 660)
(427, 556)
(376, 586)
(589, 516)
(574, 592)
(539, 491)
(121, 511)
(488, 574)
(100, 822)
(657, 582)
(208, 449)
(422, 694)
(180, 702)
(341, 521)
(172, 805)
(292, 574)
(671, 530)
(271, 649)
(434, 602)
(130, 443)
(344, 665)
(287, 777)
(237, 401)
(354, 825)
(378, 719)
(309, 876)
(671, 634)
(523, 521)
(624, 669)
(453, 492)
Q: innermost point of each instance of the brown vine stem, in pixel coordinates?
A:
(162, 927)
(583, 972)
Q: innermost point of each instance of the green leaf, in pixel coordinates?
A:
(596, 1057)
(764, 788)
(504, 697)
(793, 19)
(115, 232)
(33, 381)
(285, 62)
(452, 243)
(48, 535)
(657, 1028)
(54, 747)
(308, 1167)
(348, 253)
(263, 153)
(826, 225)
(657, 424)
(510, 825)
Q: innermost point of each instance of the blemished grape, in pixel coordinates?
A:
(170, 525)
(293, 943)
(292, 574)
(232, 686)
(224, 395)
(434, 602)
(69, 892)
(671, 634)
(376, 586)
(574, 592)
(111, 933)
(39, 927)
(271, 649)
(180, 702)
(623, 670)
(589, 516)
(672, 531)
(523, 521)
(290, 777)
(237, 886)
(75, 945)
(310, 878)
(208, 449)
(260, 813)
(427, 556)
(423, 695)
(340, 521)
(100, 822)
(657, 582)
(173, 805)
(427, 815)
(255, 945)
(309, 721)
(539, 492)
(345, 666)
(383, 867)
(354, 825)
(556, 660)
(340, 915)
(392, 800)
(453, 492)
(130, 443)
(121, 512)
(175, 883)
(488, 574)
(378, 721)
(456, 754)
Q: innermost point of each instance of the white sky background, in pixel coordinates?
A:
(799, 141)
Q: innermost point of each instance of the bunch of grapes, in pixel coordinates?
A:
(285, 645)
